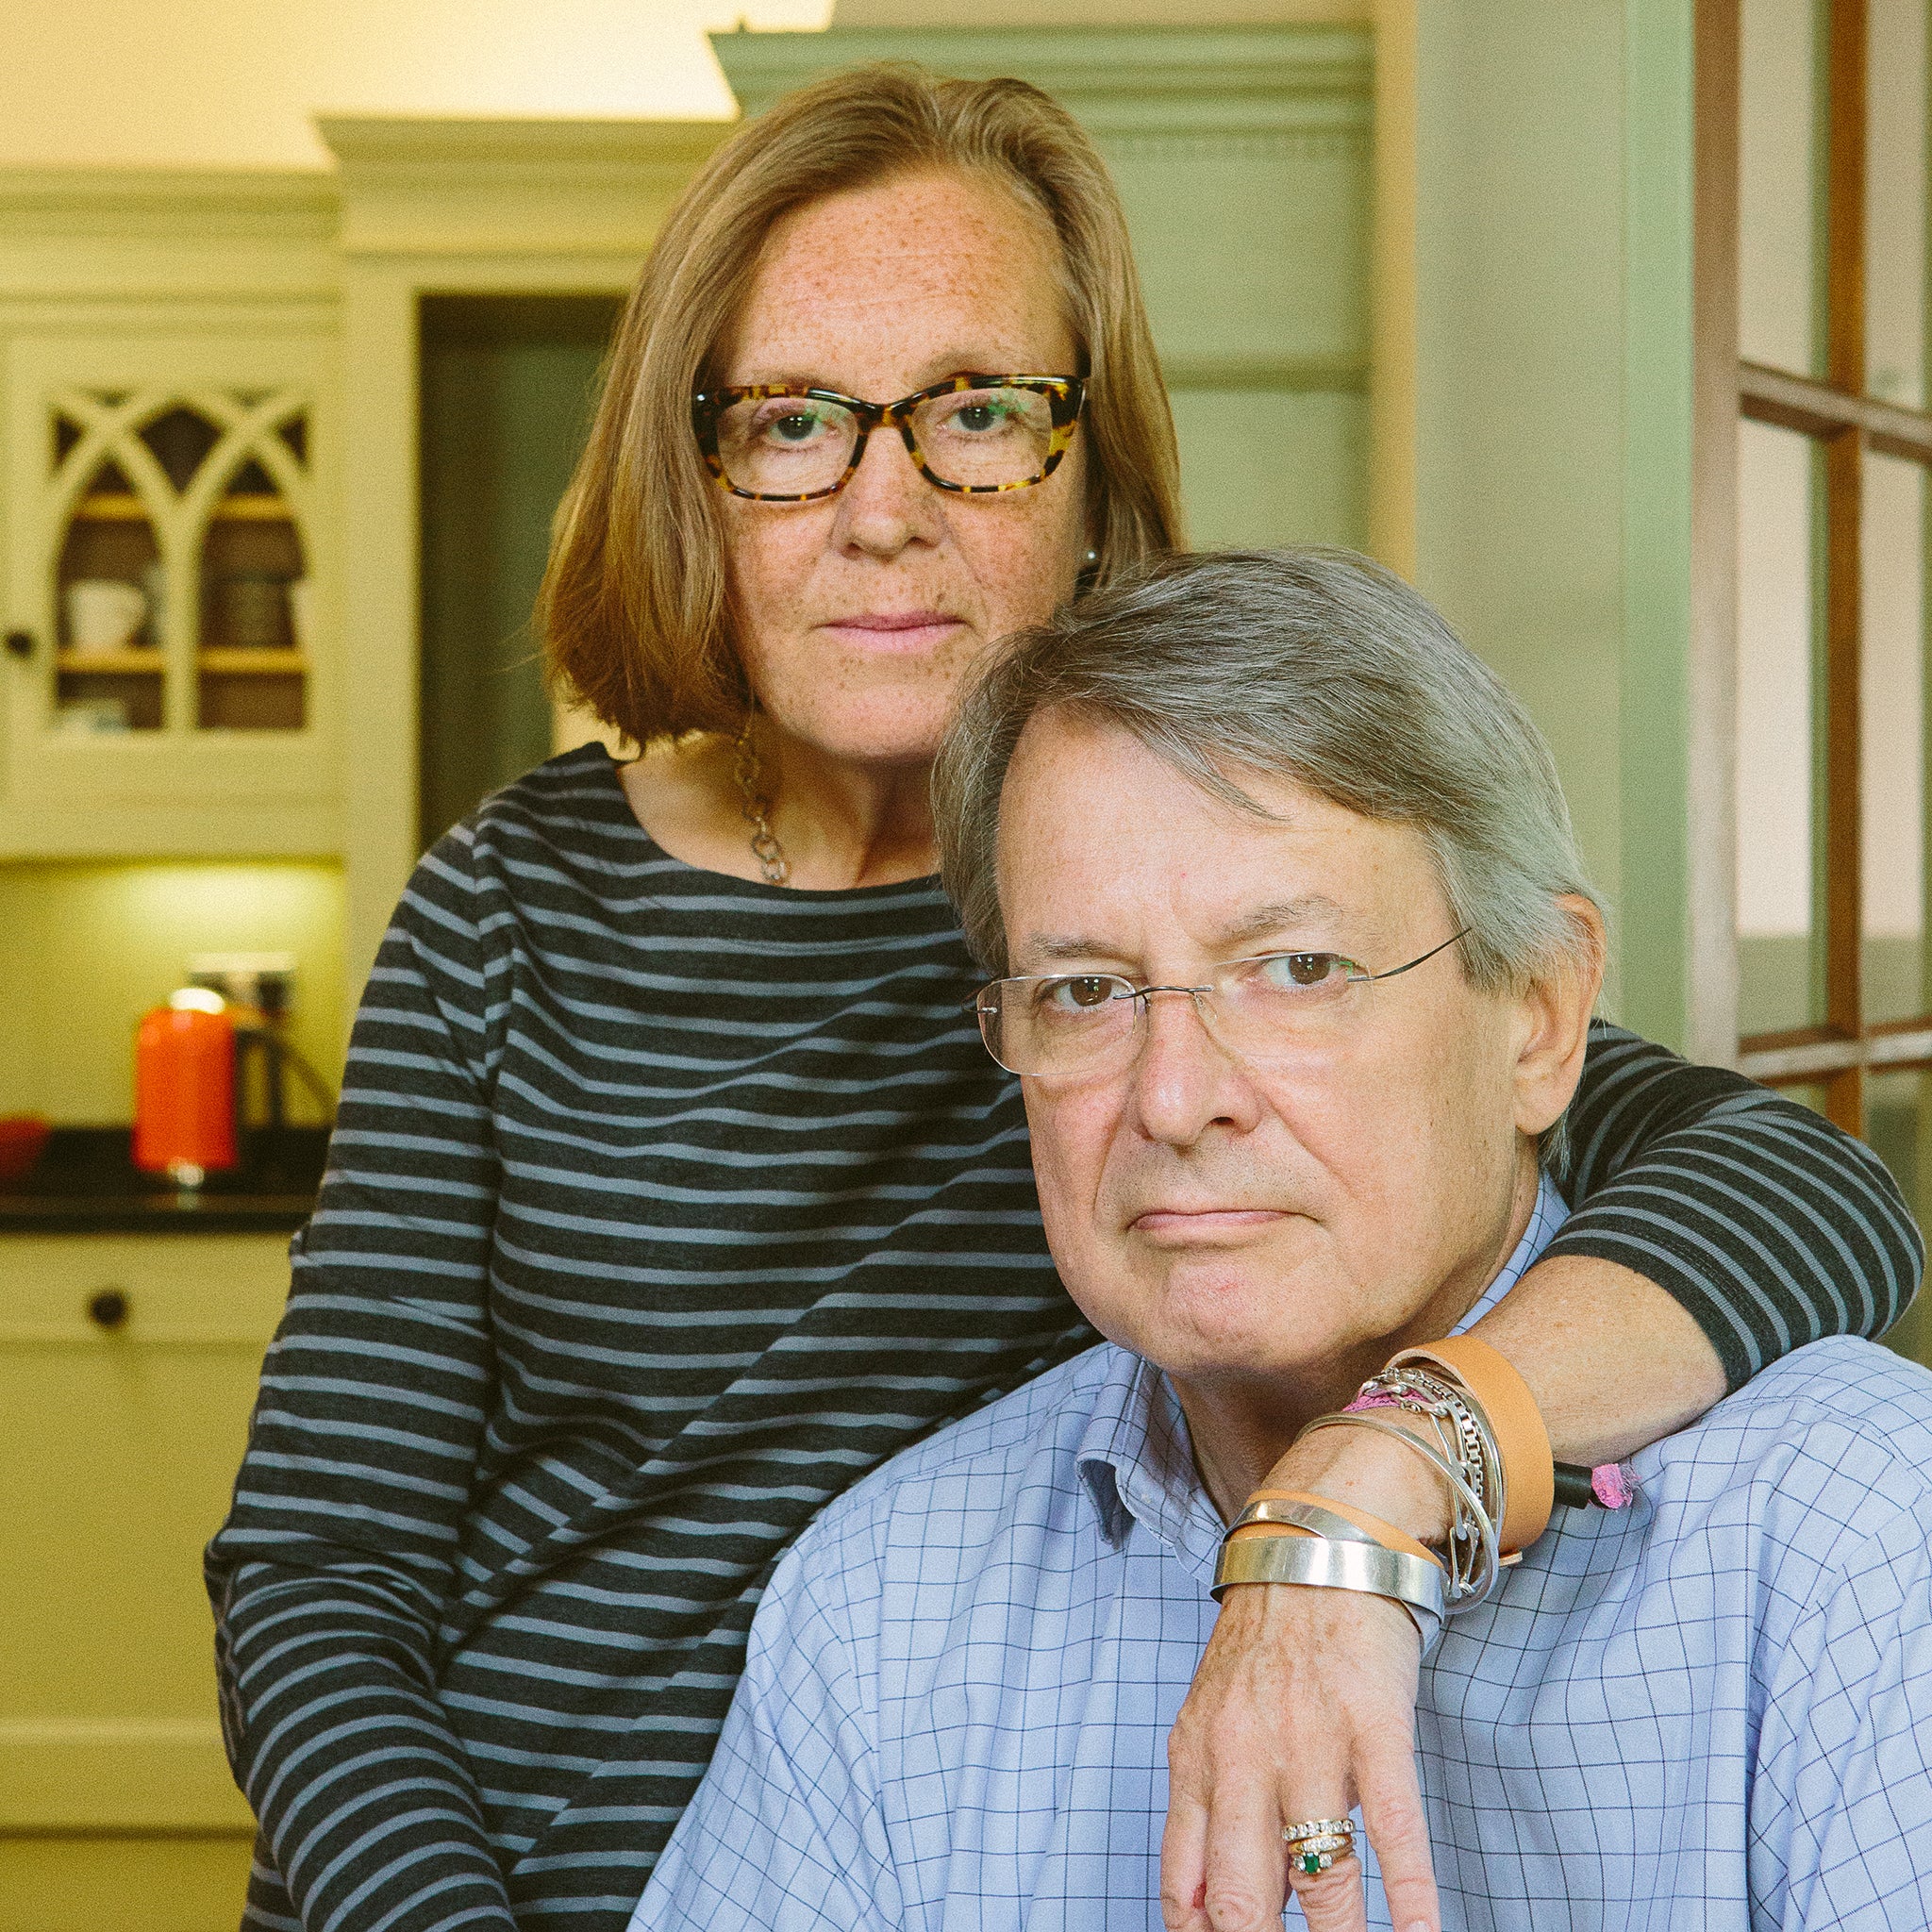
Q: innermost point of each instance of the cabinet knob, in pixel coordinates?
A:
(107, 1307)
(20, 644)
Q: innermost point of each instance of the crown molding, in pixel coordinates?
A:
(105, 238)
(168, 204)
(1203, 81)
(423, 184)
(359, 140)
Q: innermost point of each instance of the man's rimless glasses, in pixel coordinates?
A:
(786, 442)
(1262, 1009)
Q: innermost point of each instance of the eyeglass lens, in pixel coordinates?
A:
(1263, 1009)
(800, 445)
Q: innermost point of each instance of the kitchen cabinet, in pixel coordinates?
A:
(169, 472)
(128, 1368)
(168, 589)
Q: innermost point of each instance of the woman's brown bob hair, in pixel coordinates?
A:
(634, 607)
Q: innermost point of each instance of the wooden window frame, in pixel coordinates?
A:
(1837, 415)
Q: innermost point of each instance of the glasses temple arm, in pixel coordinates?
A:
(1396, 972)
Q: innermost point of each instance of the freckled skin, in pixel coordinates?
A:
(876, 293)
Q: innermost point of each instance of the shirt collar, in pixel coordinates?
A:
(1135, 1457)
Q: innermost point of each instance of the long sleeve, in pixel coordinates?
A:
(332, 1573)
(1771, 1227)
(662, 1205)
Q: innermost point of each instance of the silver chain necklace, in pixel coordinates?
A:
(756, 807)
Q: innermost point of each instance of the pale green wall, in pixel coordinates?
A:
(1553, 349)
(1242, 159)
(87, 949)
(1553, 415)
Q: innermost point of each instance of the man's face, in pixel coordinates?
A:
(1224, 1218)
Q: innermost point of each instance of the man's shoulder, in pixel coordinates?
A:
(994, 1451)
(1832, 1442)
(962, 1483)
(1841, 1384)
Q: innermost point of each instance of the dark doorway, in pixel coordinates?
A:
(508, 384)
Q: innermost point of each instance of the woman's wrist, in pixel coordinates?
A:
(1367, 1469)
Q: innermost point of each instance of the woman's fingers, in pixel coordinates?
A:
(1246, 1876)
(1398, 1827)
(1333, 1901)
(1304, 1698)
(1184, 1860)
(1222, 1867)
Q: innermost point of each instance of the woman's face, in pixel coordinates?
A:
(858, 614)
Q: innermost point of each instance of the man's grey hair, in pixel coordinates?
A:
(1314, 665)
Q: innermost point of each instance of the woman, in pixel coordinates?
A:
(671, 1190)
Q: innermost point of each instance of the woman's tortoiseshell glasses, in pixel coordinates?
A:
(785, 443)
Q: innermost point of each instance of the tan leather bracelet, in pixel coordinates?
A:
(1523, 1443)
(1386, 1534)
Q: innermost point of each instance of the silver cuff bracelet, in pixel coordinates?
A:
(1413, 1582)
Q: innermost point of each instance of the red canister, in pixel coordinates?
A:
(184, 1086)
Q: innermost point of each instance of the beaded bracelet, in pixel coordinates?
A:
(1465, 1436)
(1490, 1448)
(1488, 1380)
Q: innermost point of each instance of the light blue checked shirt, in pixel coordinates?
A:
(1710, 1711)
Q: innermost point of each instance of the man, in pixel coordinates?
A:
(1297, 961)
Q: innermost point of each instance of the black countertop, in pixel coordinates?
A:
(86, 1182)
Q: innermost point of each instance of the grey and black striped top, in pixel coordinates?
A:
(662, 1205)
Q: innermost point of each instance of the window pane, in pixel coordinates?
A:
(1779, 983)
(1895, 203)
(1894, 782)
(1779, 135)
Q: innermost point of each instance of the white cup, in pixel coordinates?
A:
(92, 717)
(103, 613)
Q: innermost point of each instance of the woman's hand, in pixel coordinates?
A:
(1304, 1704)
(1304, 1707)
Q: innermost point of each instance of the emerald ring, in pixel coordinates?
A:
(1314, 1844)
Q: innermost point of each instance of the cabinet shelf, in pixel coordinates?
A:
(254, 663)
(92, 663)
(178, 462)
(117, 507)
(286, 661)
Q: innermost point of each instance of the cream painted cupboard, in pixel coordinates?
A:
(168, 556)
(122, 1423)
(168, 563)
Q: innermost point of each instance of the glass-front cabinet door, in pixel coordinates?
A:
(167, 589)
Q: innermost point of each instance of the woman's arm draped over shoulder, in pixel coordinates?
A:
(1766, 1223)
(330, 1577)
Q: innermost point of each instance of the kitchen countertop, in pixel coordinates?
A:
(86, 1182)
